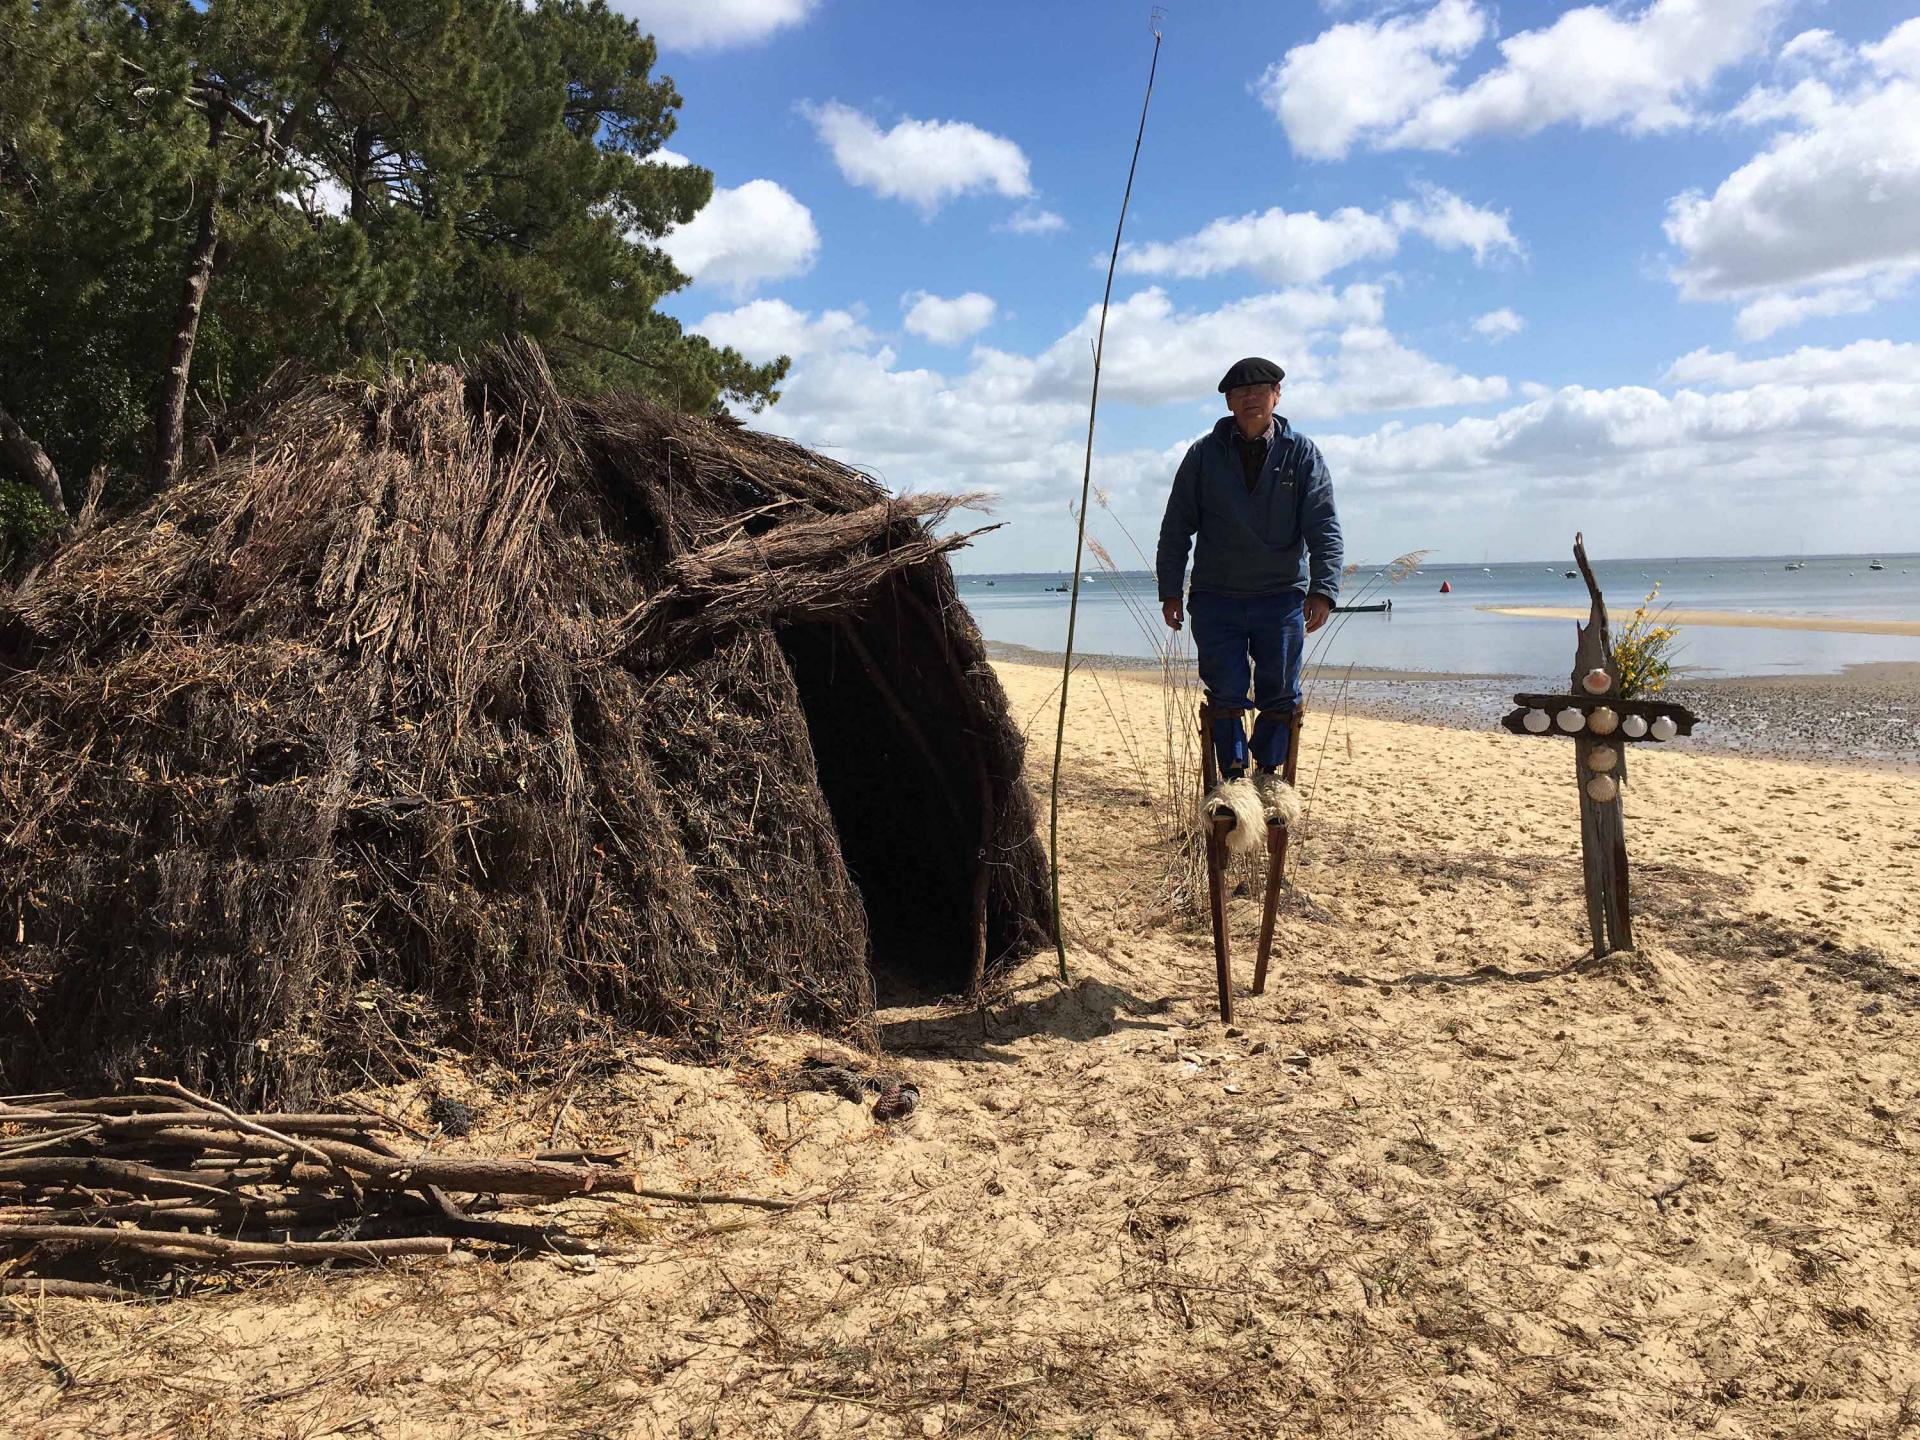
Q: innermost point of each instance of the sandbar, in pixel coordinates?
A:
(1729, 619)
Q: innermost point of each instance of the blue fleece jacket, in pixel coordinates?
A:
(1281, 535)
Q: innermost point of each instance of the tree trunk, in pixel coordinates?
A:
(23, 455)
(170, 414)
(357, 177)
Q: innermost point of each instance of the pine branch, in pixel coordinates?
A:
(23, 455)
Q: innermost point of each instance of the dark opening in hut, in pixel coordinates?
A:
(453, 712)
(909, 816)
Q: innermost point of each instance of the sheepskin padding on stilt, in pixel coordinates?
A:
(1239, 799)
(1281, 801)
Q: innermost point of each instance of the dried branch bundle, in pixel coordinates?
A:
(212, 1185)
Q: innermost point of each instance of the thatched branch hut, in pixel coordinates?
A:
(454, 712)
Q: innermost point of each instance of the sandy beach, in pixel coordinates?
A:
(1446, 1178)
(1867, 714)
(1730, 619)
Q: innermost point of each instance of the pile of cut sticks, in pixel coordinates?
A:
(146, 1187)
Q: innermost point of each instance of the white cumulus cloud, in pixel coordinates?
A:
(1862, 362)
(1392, 82)
(1455, 224)
(1815, 50)
(1498, 324)
(1292, 247)
(1339, 356)
(764, 330)
(1158, 354)
(1276, 245)
(924, 162)
(1011, 422)
(1714, 456)
(1825, 219)
(947, 322)
(712, 24)
(1365, 77)
(1682, 448)
(1031, 221)
(1760, 318)
(745, 236)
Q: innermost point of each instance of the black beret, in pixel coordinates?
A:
(1252, 371)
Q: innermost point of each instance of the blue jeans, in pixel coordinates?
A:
(1252, 641)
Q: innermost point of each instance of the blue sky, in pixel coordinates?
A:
(1643, 269)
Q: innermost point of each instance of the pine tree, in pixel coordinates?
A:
(219, 189)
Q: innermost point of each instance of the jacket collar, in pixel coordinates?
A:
(1224, 431)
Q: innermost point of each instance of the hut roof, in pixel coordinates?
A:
(450, 711)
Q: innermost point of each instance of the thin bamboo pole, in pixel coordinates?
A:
(1080, 530)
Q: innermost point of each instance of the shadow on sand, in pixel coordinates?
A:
(1083, 1010)
(1495, 974)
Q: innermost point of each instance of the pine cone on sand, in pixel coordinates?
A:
(898, 1099)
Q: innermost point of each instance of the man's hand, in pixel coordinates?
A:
(1171, 612)
(1318, 608)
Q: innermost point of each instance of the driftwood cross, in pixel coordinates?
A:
(1602, 725)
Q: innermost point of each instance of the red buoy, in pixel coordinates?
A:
(1446, 587)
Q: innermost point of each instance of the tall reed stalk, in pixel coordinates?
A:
(1080, 528)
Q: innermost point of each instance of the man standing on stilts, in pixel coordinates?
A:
(1266, 565)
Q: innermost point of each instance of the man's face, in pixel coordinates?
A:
(1252, 406)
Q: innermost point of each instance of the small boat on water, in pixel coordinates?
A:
(1573, 574)
(1797, 565)
(1381, 607)
(1876, 565)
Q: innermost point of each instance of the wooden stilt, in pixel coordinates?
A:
(1288, 772)
(1217, 904)
(1209, 774)
(1269, 911)
(1217, 870)
(1277, 838)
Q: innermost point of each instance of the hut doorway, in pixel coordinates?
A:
(894, 769)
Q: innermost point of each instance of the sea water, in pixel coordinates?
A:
(1450, 633)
